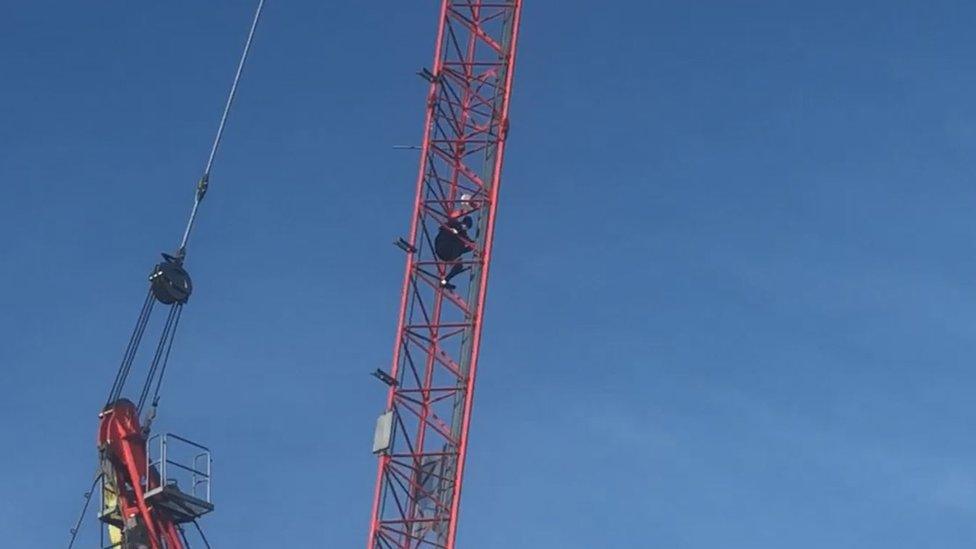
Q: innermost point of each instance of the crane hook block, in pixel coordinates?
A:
(170, 282)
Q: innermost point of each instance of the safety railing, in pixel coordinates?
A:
(181, 464)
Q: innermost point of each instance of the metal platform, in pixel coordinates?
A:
(178, 505)
(180, 473)
(184, 473)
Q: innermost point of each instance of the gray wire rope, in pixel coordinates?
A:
(202, 536)
(81, 517)
(205, 179)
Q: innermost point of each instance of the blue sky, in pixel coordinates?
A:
(731, 305)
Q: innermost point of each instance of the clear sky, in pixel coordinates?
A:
(732, 303)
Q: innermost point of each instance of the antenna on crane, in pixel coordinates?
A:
(143, 504)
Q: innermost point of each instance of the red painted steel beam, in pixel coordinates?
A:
(435, 355)
(123, 445)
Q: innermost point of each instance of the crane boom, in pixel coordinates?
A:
(422, 436)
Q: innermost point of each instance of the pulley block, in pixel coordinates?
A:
(170, 282)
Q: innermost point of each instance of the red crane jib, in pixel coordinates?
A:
(123, 448)
(421, 436)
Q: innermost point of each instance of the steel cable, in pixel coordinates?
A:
(84, 509)
(205, 179)
(130, 351)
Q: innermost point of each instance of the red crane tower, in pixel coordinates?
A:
(422, 437)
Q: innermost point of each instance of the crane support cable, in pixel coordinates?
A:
(202, 536)
(161, 356)
(205, 178)
(170, 329)
(130, 351)
(88, 496)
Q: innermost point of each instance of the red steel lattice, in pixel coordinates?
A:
(435, 357)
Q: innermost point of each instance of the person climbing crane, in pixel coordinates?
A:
(452, 242)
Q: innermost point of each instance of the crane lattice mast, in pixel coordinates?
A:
(422, 437)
